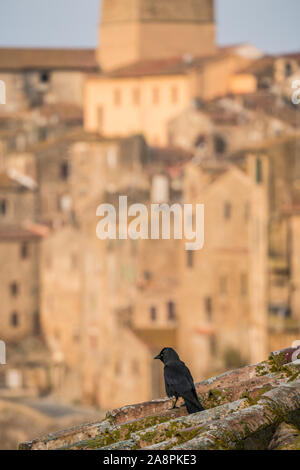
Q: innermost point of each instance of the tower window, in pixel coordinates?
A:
(171, 311)
(14, 289)
(153, 314)
(14, 320)
(3, 206)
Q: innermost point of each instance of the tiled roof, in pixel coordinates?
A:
(291, 55)
(12, 233)
(170, 66)
(28, 59)
(244, 409)
(261, 67)
(66, 112)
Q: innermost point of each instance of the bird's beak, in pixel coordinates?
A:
(157, 357)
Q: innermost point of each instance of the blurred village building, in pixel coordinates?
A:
(161, 114)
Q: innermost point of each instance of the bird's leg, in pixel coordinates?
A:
(174, 406)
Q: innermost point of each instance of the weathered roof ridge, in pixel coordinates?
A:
(239, 405)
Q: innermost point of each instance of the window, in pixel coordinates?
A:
(117, 97)
(44, 77)
(258, 171)
(100, 118)
(14, 320)
(14, 289)
(24, 250)
(220, 144)
(227, 210)
(153, 314)
(64, 170)
(190, 259)
(3, 207)
(244, 284)
(147, 275)
(174, 94)
(208, 307)
(223, 285)
(36, 323)
(155, 95)
(136, 96)
(288, 69)
(200, 141)
(171, 311)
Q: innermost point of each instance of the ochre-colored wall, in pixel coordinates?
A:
(147, 117)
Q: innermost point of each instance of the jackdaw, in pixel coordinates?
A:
(178, 380)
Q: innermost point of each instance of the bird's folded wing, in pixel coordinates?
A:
(178, 377)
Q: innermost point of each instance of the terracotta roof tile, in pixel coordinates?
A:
(240, 407)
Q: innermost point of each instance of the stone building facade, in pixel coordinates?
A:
(37, 76)
(223, 287)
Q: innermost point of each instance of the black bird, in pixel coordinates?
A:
(178, 380)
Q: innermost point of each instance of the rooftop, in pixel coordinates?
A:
(25, 232)
(170, 66)
(29, 59)
(255, 407)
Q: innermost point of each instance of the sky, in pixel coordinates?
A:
(271, 25)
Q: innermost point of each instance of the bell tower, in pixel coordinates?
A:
(133, 30)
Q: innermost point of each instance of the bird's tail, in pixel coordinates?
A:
(192, 403)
